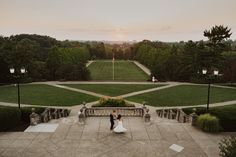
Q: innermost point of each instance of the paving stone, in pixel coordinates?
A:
(36, 152)
(1, 150)
(43, 136)
(20, 143)
(94, 139)
(6, 143)
(12, 152)
(74, 135)
(9, 135)
(27, 136)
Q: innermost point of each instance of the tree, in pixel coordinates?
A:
(229, 66)
(217, 44)
(217, 34)
(53, 63)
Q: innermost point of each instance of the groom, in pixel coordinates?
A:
(112, 118)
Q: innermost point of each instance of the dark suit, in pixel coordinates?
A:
(112, 121)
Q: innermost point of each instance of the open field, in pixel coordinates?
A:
(184, 95)
(43, 95)
(113, 89)
(123, 71)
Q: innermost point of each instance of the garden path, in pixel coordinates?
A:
(144, 68)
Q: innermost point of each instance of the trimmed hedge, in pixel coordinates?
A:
(208, 123)
(225, 114)
(11, 117)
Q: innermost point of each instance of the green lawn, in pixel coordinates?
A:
(123, 71)
(43, 95)
(185, 95)
(113, 89)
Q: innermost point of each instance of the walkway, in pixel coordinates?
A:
(145, 69)
(95, 140)
(89, 62)
(148, 90)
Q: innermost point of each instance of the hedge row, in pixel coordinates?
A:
(11, 117)
(226, 115)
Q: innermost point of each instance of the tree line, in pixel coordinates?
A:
(43, 57)
(184, 61)
(46, 58)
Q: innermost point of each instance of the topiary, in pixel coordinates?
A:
(208, 123)
(228, 147)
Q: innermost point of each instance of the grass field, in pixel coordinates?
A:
(123, 71)
(43, 95)
(185, 95)
(113, 89)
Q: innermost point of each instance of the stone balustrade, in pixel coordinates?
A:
(106, 111)
(177, 114)
(47, 114)
(182, 117)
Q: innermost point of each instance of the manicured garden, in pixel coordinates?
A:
(43, 95)
(184, 95)
(113, 89)
(123, 71)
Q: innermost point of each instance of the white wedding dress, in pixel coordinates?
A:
(119, 128)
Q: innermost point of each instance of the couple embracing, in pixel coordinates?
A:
(119, 128)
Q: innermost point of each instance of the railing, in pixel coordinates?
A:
(177, 114)
(47, 114)
(106, 111)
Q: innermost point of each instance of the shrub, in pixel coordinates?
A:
(9, 118)
(208, 123)
(228, 147)
(226, 115)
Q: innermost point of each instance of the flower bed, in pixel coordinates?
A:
(112, 102)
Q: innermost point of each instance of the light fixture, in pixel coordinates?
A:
(22, 70)
(216, 72)
(204, 71)
(12, 70)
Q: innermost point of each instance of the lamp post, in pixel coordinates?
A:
(17, 76)
(215, 73)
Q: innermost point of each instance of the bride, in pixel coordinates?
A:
(119, 128)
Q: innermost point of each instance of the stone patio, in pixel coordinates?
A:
(94, 139)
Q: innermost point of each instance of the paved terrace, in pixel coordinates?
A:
(94, 139)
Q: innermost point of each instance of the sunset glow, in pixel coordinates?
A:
(163, 20)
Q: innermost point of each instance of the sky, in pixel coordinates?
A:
(116, 20)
